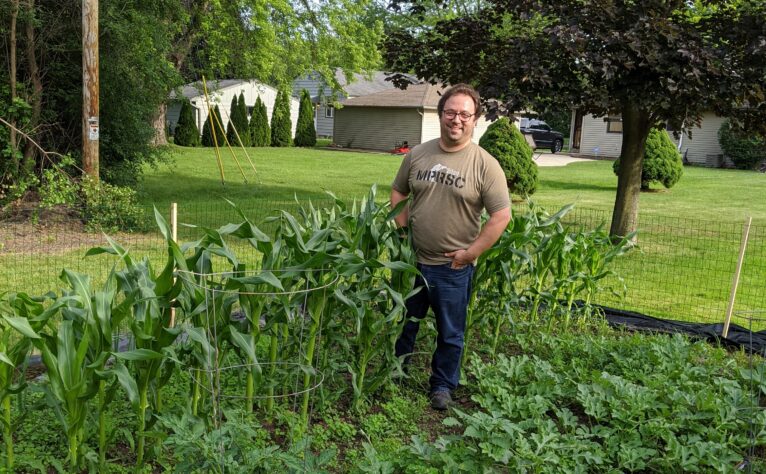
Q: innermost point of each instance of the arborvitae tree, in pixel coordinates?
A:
(241, 123)
(506, 143)
(186, 132)
(305, 133)
(207, 135)
(233, 113)
(281, 133)
(260, 134)
(662, 161)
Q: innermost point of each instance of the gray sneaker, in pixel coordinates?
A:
(440, 400)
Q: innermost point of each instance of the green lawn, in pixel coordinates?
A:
(689, 236)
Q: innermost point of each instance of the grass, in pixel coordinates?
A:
(689, 235)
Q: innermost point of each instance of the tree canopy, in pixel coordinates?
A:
(651, 62)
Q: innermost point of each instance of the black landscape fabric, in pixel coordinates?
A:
(738, 336)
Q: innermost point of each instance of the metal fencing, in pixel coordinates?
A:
(682, 269)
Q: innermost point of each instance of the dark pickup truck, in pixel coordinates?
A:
(544, 136)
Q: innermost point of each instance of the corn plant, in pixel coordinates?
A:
(100, 313)
(21, 320)
(71, 380)
(153, 359)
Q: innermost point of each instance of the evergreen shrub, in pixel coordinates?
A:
(305, 133)
(233, 122)
(281, 126)
(506, 143)
(260, 133)
(242, 123)
(745, 151)
(186, 132)
(662, 161)
(207, 129)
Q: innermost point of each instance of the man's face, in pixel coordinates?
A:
(454, 131)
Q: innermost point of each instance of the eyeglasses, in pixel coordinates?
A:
(450, 114)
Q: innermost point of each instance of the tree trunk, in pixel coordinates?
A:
(12, 74)
(37, 87)
(636, 124)
(160, 117)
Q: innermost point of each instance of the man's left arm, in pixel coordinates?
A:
(492, 230)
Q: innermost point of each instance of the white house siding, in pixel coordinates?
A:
(376, 128)
(595, 140)
(431, 128)
(222, 97)
(703, 147)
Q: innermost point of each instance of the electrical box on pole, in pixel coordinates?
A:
(90, 121)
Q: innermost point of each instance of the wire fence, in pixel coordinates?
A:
(682, 269)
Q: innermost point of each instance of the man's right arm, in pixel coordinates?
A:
(403, 217)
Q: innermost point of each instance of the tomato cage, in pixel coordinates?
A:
(252, 340)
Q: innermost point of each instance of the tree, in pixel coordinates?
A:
(651, 62)
(506, 143)
(233, 122)
(213, 123)
(259, 125)
(745, 150)
(305, 132)
(662, 161)
(274, 41)
(186, 132)
(242, 122)
(281, 125)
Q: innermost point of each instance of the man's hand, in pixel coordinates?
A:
(460, 258)
(489, 234)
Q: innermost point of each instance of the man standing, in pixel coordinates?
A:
(452, 180)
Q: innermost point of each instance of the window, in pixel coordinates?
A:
(329, 112)
(613, 124)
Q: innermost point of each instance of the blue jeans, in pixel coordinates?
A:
(446, 291)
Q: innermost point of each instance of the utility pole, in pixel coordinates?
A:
(90, 125)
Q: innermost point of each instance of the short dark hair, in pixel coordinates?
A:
(464, 89)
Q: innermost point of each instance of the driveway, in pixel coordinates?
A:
(559, 159)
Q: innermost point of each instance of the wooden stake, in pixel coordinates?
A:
(735, 280)
(174, 236)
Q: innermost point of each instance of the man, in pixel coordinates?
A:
(451, 180)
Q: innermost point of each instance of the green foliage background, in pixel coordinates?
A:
(506, 143)
(745, 150)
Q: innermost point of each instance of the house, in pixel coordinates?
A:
(324, 97)
(602, 137)
(221, 93)
(385, 119)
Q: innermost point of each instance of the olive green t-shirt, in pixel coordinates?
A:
(449, 192)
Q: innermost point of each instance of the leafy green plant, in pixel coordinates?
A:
(150, 296)
(213, 123)
(744, 149)
(110, 208)
(22, 319)
(506, 143)
(662, 161)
